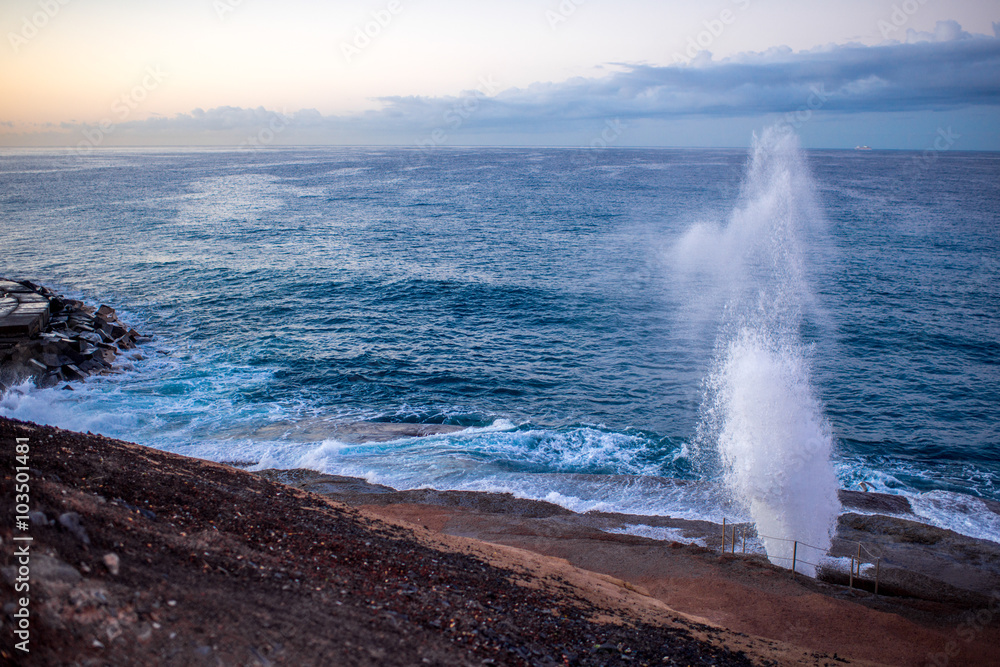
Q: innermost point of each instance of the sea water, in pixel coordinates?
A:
(601, 321)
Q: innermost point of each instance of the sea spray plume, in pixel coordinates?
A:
(775, 445)
(761, 410)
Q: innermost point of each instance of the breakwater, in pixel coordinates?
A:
(51, 340)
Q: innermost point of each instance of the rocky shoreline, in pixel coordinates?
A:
(918, 561)
(936, 584)
(141, 557)
(54, 340)
(146, 557)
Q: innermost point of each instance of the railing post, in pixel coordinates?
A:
(878, 565)
(733, 549)
(723, 535)
(744, 539)
(850, 583)
(795, 553)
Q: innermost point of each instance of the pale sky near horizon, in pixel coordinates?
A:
(551, 72)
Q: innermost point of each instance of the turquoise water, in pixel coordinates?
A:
(540, 297)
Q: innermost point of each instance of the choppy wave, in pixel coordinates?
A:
(542, 307)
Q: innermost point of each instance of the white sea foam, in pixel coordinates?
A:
(657, 533)
(963, 514)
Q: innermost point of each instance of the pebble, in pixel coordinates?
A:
(144, 633)
(112, 562)
(71, 522)
(52, 570)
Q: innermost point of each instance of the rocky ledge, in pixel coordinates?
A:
(52, 339)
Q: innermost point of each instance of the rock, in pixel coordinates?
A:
(143, 633)
(90, 366)
(112, 562)
(72, 372)
(107, 312)
(103, 327)
(53, 571)
(881, 503)
(38, 519)
(105, 356)
(71, 522)
(53, 359)
(23, 312)
(50, 379)
(93, 338)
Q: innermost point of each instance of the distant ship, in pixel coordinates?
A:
(862, 148)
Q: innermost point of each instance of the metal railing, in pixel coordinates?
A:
(729, 540)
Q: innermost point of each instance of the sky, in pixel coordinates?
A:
(899, 74)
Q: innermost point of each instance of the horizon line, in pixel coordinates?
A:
(245, 149)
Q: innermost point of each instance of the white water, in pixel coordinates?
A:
(761, 412)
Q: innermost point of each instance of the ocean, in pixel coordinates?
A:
(635, 330)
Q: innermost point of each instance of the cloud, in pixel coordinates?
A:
(944, 31)
(946, 70)
(932, 71)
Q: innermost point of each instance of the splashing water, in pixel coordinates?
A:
(761, 410)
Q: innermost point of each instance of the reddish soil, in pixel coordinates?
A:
(217, 566)
(746, 595)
